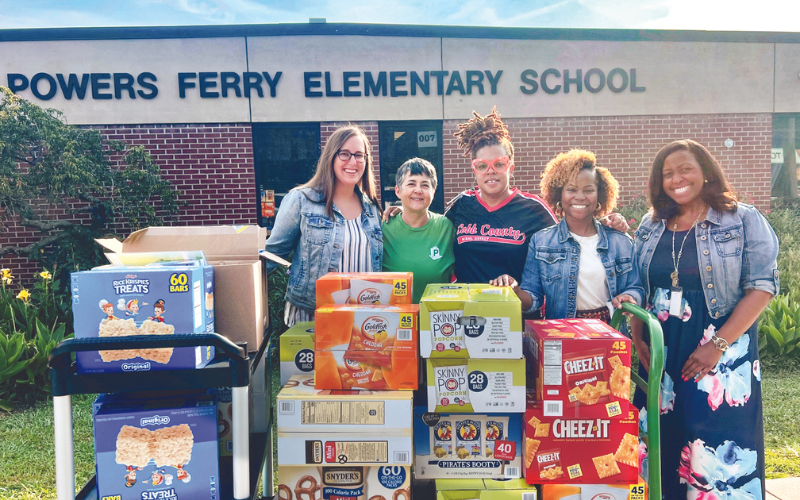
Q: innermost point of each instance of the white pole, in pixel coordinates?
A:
(241, 443)
(65, 458)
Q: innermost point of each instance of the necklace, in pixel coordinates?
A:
(676, 261)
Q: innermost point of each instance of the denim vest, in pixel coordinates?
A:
(303, 227)
(551, 269)
(736, 251)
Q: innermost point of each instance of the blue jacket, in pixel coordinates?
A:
(736, 251)
(303, 227)
(551, 270)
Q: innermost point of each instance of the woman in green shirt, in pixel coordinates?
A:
(418, 240)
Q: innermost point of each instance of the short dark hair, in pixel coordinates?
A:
(416, 166)
(716, 192)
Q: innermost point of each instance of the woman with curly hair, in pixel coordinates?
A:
(578, 266)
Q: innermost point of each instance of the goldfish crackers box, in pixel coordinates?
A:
(365, 288)
(580, 450)
(582, 367)
(634, 491)
(470, 321)
(366, 347)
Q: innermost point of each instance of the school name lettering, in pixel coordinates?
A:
(319, 84)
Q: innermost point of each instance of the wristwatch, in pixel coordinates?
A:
(720, 343)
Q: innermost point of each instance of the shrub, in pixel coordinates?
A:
(635, 210)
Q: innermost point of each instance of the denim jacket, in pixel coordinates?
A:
(736, 251)
(551, 270)
(303, 227)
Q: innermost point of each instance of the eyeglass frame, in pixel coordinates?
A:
(490, 165)
(351, 155)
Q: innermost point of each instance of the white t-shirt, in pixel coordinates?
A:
(592, 285)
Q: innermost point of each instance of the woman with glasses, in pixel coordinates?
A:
(331, 223)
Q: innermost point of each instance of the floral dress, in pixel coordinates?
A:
(712, 431)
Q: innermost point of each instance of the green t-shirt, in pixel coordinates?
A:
(426, 251)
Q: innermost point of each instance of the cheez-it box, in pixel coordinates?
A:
(580, 450)
(365, 288)
(582, 367)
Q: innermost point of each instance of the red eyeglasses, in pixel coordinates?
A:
(498, 165)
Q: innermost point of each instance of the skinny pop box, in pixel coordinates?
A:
(582, 367)
(476, 385)
(365, 288)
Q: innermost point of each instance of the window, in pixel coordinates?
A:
(785, 155)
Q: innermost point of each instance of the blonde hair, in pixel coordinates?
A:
(324, 179)
(563, 169)
(481, 131)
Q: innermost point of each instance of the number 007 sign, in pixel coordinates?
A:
(505, 450)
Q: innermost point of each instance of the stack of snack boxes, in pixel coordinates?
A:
(471, 336)
(345, 413)
(579, 426)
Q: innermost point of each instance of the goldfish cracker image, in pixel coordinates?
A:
(364, 288)
(338, 370)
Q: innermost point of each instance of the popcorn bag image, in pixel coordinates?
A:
(470, 321)
(163, 449)
(297, 350)
(580, 450)
(158, 300)
(365, 288)
(581, 367)
(476, 385)
(344, 483)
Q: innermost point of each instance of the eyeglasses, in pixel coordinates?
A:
(499, 165)
(345, 156)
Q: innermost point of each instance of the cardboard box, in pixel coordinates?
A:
(635, 491)
(485, 489)
(476, 385)
(365, 288)
(457, 445)
(344, 483)
(113, 301)
(470, 321)
(297, 351)
(240, 296)
(304, 409)
(352, 448)
(380, 329)
(344, 370)
(582, 367)
(565, 450)
(157, 449)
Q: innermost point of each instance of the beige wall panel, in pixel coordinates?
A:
(164, 58)
(294, 55)
(787, 78)
(680, 78)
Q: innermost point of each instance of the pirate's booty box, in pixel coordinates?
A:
(125, 301)
(364, 288)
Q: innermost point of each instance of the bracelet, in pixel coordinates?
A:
(720, 343)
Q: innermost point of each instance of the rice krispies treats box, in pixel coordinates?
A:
(458, 445)
(344, 483)
(365, 288)
(297, 350)
(114, 301)
(581, 450)
(476, 385)
(582, 367)
(470, 321)
(157, 449)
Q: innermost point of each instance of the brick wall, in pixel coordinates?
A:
(627, 146)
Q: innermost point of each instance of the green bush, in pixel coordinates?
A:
(635, 210)
(32, 323)
(779, 327)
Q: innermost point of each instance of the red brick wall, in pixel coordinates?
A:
(371, 129)
(627, 146)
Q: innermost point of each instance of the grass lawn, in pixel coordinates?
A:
(28, 469)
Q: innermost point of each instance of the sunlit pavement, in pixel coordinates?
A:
(787, 488)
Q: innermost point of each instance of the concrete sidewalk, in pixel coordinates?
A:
(787, 488)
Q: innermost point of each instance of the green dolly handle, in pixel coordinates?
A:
(653, 389)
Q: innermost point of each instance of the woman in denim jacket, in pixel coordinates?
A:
(331, 223)
(578, 266)
(708, 265)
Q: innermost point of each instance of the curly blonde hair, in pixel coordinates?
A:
(481, 131)
(563, 169)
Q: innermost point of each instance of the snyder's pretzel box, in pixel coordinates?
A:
(634, 491)
(344, 483)
(470, 321)
(240, 282)
(116, 301)
(581, 450)
(365, 288)
(476, 385)
(458, 445)
(582, 367)
(157, 449)
(297, 350)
